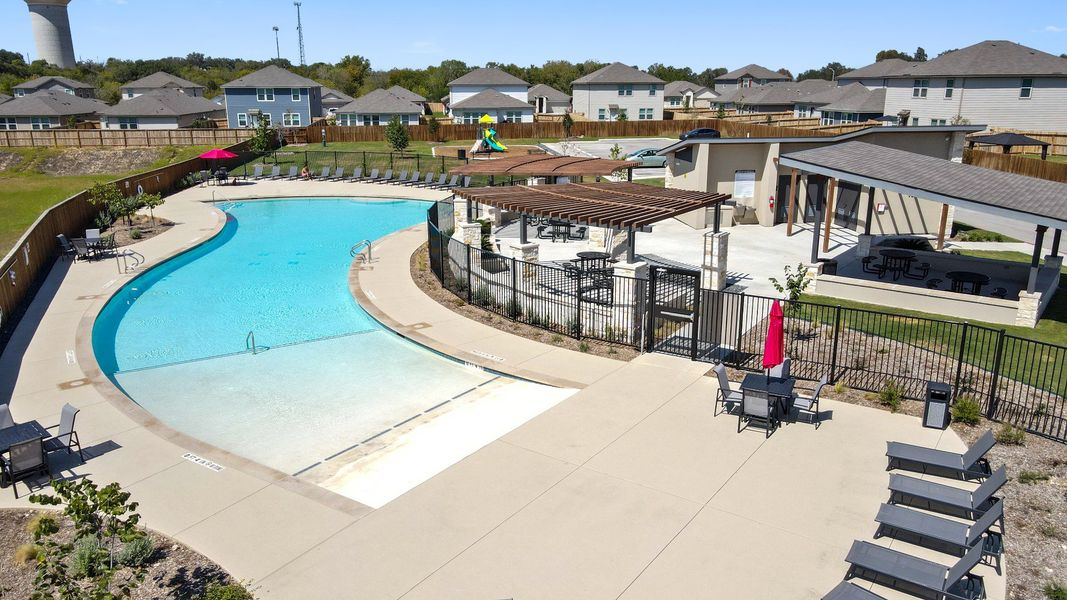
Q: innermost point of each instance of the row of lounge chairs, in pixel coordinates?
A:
(416, 179)
(977, 532)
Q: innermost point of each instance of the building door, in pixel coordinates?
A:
(816, 196)
(847, 205)
(781, 199)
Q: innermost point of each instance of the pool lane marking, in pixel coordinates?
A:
(307, 468)
(436, 406)
(407, 420)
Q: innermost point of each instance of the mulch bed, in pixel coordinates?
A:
(142, 223)
(174, 571)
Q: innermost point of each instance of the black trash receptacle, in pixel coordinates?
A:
(461, 154)
(936, 412)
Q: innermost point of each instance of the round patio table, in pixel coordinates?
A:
(962, 279)
(897, 261)
(593, 260)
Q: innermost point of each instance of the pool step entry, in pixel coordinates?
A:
(356, 251)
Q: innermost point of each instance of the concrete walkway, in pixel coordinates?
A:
(628, 489)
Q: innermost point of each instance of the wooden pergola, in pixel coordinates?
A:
(624, 205)
(545, 165)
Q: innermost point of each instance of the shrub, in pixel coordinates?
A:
(27, 553)
(513, 309)
(913, 243)
(574, 329)
(135, 233)
(86, 558)
(966, 410)
(1032, 477)
(1055, 590)
(40, 524)
(794, 285)
(103, 220)
(556, 338)
(583, 347)
(890, 395)
(434, 127)
(840, 387)
(396, 133)
(137, 551)
(482, 296)
(568, 123)
(1010, 436)
(227, 591)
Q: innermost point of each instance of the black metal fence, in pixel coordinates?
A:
(399, 162)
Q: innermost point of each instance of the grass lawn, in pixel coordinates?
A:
(1051, 157)
(654, 182)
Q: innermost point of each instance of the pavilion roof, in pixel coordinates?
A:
(544, 165)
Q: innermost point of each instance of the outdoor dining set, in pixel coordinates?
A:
(900, 263)
(92, 246)
(766, 399)
(557, 229)
(25, 447)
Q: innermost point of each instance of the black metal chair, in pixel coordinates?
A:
(24, 459)
(66, 438)
(810, 404)
(870, 266)
(725, 395)
(757, 406)
(65, 247)
(82, 249)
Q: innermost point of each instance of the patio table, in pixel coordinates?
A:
(560, 229)
(962, 279)
(780, 388)
(897, 261)
(593, 260)
(21, 432)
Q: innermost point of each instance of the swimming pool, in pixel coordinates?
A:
(325, 376)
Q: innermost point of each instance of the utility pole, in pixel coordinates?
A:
(300, 33)
(277, 45)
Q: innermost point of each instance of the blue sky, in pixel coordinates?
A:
(704, 34)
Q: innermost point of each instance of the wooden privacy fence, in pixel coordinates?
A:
(31, 258)
(1020, 165)
(122, 138)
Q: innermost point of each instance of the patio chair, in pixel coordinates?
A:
(373, 175)
(781, 370)
(440, 181)
(222, 176)
(810, 404)
(357, 174)
(451, 183)
(999, 293)
(919, 458)
(5, 417)
(945, 498)
(427, 181)
(24, 459)
(870, 265)
(933, 283)
(400, 178)
(757, 406)
(413, 180)
(65, 247)
(293, 174)
(205, 177)
(338, 174)
(257, 172)
(92, 236)
(66, 438)
(942, 534)
(466, 181)
(893, 568)
(579, 233)
(725, 394)
(81, 249)
(386, 177)
(275, 172)
(847, 590)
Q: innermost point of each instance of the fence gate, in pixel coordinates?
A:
(674, 306)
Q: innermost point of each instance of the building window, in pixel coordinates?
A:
(265, 94)
(242, 119)
(915, 121)
(1026, 88)
(513, 116)
(295, 94)
(69, 91)
(40, 123)
(346, 120)
(652, 90)
(372, 120)
(674, 101)
(602, 114)
(265, 117)
(7, 122)
(291, 120)
(920, 88)
(950, 85)
(645, 114)
(20, 93)
(746, 82)
(127, 123)
(470, 118)
(626, 89)
(129, 93)
(938, 122)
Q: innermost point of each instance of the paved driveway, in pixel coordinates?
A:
(602, 149)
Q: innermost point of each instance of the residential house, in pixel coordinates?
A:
(52, 82)
(406, 94)
(851, 103)
(773, 97)
(275, 95)
(686, 94)
(48, 109)
(876, 75)
(746, 77)
(161, 80)
(618, 89)
(378, 108)
(160, 109)
(500, 107)
(548, 100)
(996, 83)
(480, 81)
(332, 100)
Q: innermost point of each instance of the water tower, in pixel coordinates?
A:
(51, 31)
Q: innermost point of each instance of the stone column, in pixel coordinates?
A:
(814, 270)
(470, 233)
(629, 307)
(713, 270)
(1029, 306)
(598, 238)
(528, 253)
(863, 245)
(459, 212)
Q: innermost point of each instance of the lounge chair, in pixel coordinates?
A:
(5, 417)
(725, 394)
(65, 247)
(257, 172)
(373, 175)
(937, 496)
(757, 406)
(466, 182)
(810, 404)
(410, 180)
(24, 459)
(892, 567)
(427, 181)
(385, 178)
(451, 183)
(338, 174)
(401, 178)
(325, 174)
(357, 174)
(958, 536)
(275, 172)
(847, 590)
(440, 181)
(293, 175)
(971, 463)
(66, 438)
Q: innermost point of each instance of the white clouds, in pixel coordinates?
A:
(1054, 29)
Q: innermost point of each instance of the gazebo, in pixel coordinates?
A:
(1009, 140)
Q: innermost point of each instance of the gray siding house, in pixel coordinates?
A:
(877, 75)
(160, 80)
(332, 100)
(686, 94)
(500, 107)
(59, 84)
(850, 103)
(606, 93)
(747, 76)
(478, 81)
(278, 96)
(773, 97)
(548, 100)
(48, 109)
(162, 109)
(378, 108)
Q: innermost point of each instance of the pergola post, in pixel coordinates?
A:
(1035, 260)
(863, 243)
(941, 227)
(631, 245)
(523, 238)
(1056, 243)
(828, 209)
(630, 174)
(815, 229)
(792, 202)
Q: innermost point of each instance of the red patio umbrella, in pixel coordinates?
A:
(217, 153)
(774, 346)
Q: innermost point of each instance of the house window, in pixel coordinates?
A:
(950, 85)
(746, 82)
(40, 123)
(513, 116)
(915, 121)
(127, 123)
(602, 114)
(345, 120)
(265, 94)
(20, 93)
(626, 89)
(645, 114)
(242, 119)
(7, 122)
(371, 120)
(129, 93)
(1026, 88)
(470, 118)
(295, 94)
(291, 119)
(265, 117)
(69, 91)
(920, 88)
(652, 90)
(674, 101)
(938, 122)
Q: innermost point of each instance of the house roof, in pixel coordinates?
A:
(50, 103)
(992, 58)
(487, 76)
(821, 139)
(272, 76)
(549, 92)
(776, 93)
(861, 100)
(380, 102)
(161, 79)
(617, 72)
(677, 88)
(1038, 201)
(406, 94)
(491, 99)
(162, 103)
(4, 98)
(338, 96)
(755, 71)
(40, 81)
(883, 68)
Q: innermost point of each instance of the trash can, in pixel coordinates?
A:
(461, 154)
(936, 412)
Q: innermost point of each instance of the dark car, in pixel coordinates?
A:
(703, 132)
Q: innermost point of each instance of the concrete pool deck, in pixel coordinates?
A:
(627, 489)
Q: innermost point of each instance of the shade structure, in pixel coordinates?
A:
(774, 346)
(218, 154)
(545, 165)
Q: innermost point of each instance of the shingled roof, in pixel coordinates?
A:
(50, 103)
(487, 76)
(40, 81)
(491, 99)
(272, 76)
(617, 72)
(861, 101)
(161, 79)
(780, 92)
(406, 94)
(162, 103)
(755, 71)
(677, 88)
(883, 68)
(380, 102)
(993, 58)
(549, 92)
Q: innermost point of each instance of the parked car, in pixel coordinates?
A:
(647, 157)
(703, 132)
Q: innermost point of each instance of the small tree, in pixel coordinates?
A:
(795, 283)
(621, 117)
(106, 197)
(262, 140)
(152, 201)
(720, 113)
(615, 152)
(685, 103)
(568, 123)
(434, 126)
(396, 134)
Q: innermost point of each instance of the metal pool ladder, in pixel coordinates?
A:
(250, 341)
(356, 251)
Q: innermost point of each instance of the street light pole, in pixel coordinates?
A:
(277, 45)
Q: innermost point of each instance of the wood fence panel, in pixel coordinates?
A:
(1020, 165)
(122, 138)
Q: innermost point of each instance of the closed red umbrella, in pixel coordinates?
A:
(774, 347)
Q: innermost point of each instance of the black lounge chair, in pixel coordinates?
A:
(409, 180)
(275, 172)
(725, 394)
(294, 174)
(357, 173)
(451, 183)
(325, 173)
(940, 533)
(910, 574)
(971, 463)
(338, 174)
(400, 178)
(938, 496)
(373, 175)
(257, 172)
(846, 590)
(24, 459)
(385, 178)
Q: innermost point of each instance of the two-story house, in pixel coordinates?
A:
(160, 80)
(49, 109)
(618, 89)
(161, 109)
(272, 94)
(746, 77)
(378, 107)
(996, 83)
(59, 84)
(686, 94)
(877, 75)
(489, 91)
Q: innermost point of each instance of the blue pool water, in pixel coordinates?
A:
(174, 339)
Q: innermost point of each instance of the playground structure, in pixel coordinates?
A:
(487, 142)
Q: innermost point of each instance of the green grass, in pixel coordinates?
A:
(415, 147)
(654, 182)
(1051, 157)
(967, 233)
